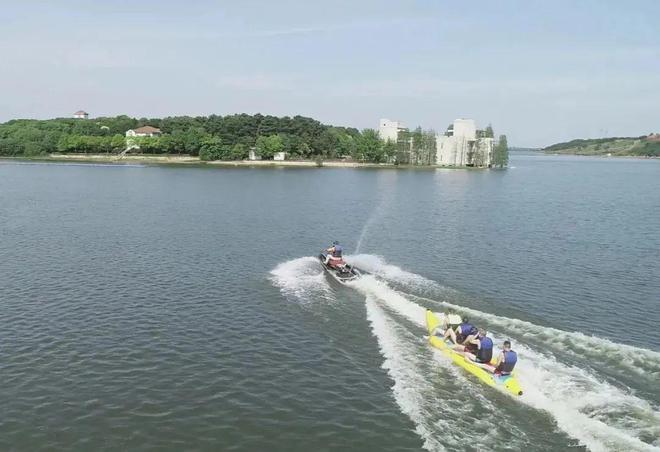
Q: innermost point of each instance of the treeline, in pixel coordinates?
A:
(583, 142)
(210, 137)
(416, 147)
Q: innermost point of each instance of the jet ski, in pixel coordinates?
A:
(339, 269)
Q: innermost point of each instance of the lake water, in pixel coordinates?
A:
(163, 308)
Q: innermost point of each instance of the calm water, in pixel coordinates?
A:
(153, 308)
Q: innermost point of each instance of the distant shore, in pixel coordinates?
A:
(637, 147)
(188, 160)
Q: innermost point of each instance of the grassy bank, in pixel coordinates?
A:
(617, 146)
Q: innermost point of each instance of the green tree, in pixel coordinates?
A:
(118, 143)
(501, 153)
(370, 146)
(267, 146)
(303, 149)
(211, 149)
(346, 145)
(389, 150)
(239, 152)
(489, 132)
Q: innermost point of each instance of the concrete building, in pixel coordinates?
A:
(252, 154)
(459, 146)
(389, 130)
(279, 156)
(81, 115)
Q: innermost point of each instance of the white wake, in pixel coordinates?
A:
(600, 415)
(302, 280)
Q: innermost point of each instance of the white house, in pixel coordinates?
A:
(459, 146)
(252, 154)
(279, 156)
(81, 114)
(389, 130)
(144, 131)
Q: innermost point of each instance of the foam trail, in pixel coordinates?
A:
(392, 273)
(596, 413)
(302, 280)
(369, 285)
(599, 415)
(643, 362)
(408, 385)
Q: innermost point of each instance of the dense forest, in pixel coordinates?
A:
(213, 138)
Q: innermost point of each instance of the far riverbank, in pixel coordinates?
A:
(188, 160)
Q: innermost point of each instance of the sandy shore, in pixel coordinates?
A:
(191, 160)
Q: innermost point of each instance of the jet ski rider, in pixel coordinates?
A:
(333, 253)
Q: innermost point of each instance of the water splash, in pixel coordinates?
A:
(385, 194)
(643, 362)
(427, 387)
(409, 385)
(302, 280)
(598, 414)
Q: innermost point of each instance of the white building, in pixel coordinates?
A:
(279, 156)
(252, 154)
(459, 146)
(389, 130)
(144, 131)
(81, 114)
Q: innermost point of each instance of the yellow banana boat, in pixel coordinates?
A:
(507, 382)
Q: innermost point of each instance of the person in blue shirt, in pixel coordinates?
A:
(461, 332)
(479, 347)
(505, 362)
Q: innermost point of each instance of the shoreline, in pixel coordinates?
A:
(604, 156)
(187, 160)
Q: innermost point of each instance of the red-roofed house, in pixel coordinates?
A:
(144, 131)
(81, 114)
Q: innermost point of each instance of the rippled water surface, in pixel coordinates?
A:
(156, 308)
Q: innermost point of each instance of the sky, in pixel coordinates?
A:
(538, 71)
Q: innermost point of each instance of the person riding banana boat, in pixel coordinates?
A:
(459, 334)
(477, 346)
(472, 349)
(505, 362)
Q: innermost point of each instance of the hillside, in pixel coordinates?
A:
(615, 146)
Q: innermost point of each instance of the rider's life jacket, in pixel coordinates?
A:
(467, 329)
(337, 251)
(508, 363)
(485, 352)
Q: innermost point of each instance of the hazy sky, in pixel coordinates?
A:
(539, 71)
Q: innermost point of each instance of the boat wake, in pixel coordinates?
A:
(302, 280)
(561, 372)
